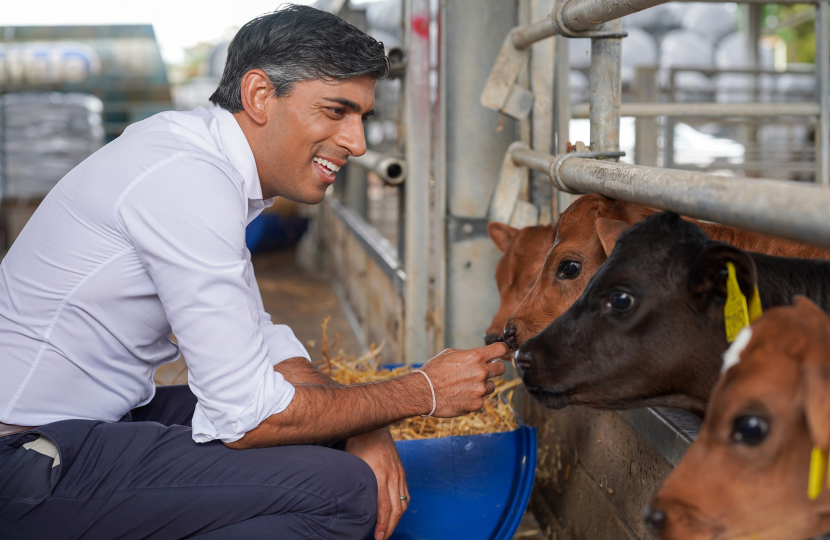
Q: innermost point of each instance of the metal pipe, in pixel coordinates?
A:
(788, 209)
(391, 169)
(707, 110)
(581, 15)
(416, 250)
(823, 75)
(605, 90)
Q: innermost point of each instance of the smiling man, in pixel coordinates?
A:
(147, 237)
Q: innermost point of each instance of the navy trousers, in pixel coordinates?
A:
(144, 477)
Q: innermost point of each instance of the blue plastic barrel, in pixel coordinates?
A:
(473, 487)
(274, 231)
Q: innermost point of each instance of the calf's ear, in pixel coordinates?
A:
(707, 275)
(501, 234)
(608, 231)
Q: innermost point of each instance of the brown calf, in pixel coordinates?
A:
(523, 253)
(584, 236)
(746, 474)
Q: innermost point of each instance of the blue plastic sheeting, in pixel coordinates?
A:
(474, 487)
(274, 231)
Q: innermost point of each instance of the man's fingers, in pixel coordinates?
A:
(398, 508)
(384, 513)
(491, 387)
(493, 351)
(497, 368)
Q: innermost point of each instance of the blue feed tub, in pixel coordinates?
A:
(274, 231)
(474, 487)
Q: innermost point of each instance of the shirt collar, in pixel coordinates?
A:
(238, 151)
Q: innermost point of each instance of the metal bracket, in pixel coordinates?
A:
(563, 30)
(561, 158)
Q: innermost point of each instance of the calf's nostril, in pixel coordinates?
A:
(523, 358)
(510, 337)
(655, 519)
(491, 338)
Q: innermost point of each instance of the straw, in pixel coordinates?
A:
(495, 416)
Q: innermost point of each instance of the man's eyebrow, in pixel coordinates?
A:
(350, 105)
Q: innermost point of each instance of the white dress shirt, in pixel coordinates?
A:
(144, 238)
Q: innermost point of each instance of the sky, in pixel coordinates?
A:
(177, 23)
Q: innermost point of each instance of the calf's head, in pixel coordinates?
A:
(523, 252)
(583, 235)
(747, 472)
(648, 330)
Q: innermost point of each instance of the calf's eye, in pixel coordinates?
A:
(568, 269)
(750, 430)
(621, 301)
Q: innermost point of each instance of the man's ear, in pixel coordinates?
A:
(501, 234)
(255, 89)
(708, 273)
(815, 370)
(608, 231)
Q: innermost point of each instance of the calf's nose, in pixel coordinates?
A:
(523, 358)
(510, 337)
(493, 337)
(655, 519)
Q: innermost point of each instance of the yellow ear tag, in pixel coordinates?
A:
(736, 313)
(755, 305)
(818, 465)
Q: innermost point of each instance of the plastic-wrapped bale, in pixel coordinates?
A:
(638, 49)
(731, 53)
(712, 20)
(44, 136)
(687, 49)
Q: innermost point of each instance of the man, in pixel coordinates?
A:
(146, 238)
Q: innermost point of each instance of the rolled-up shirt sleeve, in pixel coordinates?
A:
(187, 221)
(282, 344)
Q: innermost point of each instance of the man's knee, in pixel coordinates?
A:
(360, 506)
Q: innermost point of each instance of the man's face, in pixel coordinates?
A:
(317, 122)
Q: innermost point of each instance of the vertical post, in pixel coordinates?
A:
(356, 190)
(416, 218)
(541, 80)
(668, 126)
(645, 140)
(823, 74)
(561, 110)
(605, 90)
(474, 144)
(752, 28)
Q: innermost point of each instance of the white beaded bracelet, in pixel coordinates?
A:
(432, 388)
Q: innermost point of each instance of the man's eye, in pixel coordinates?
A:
(338, 112)
(568, 270)
(750, 430)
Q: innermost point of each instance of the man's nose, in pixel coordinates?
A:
(655, 519)
(353, 138)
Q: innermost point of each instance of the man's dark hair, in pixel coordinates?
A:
(298, 43)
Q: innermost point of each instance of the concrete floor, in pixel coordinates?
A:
(302, 300)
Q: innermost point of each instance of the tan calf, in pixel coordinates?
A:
(746, 474)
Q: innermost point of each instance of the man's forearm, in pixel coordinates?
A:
(321, 413)
(301, 371)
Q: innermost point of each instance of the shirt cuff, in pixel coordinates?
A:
(283, 344)
(214, 420)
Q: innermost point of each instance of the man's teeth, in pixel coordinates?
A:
(327, 164)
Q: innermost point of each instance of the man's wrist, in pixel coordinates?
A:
(421, 391)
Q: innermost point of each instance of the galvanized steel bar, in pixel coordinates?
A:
(416, 250)
(823, 75)
(707, 110)
(391, 169)
(605, 90)
(788, 209)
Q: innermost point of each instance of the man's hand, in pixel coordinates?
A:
(462, 378)
(378, 450)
